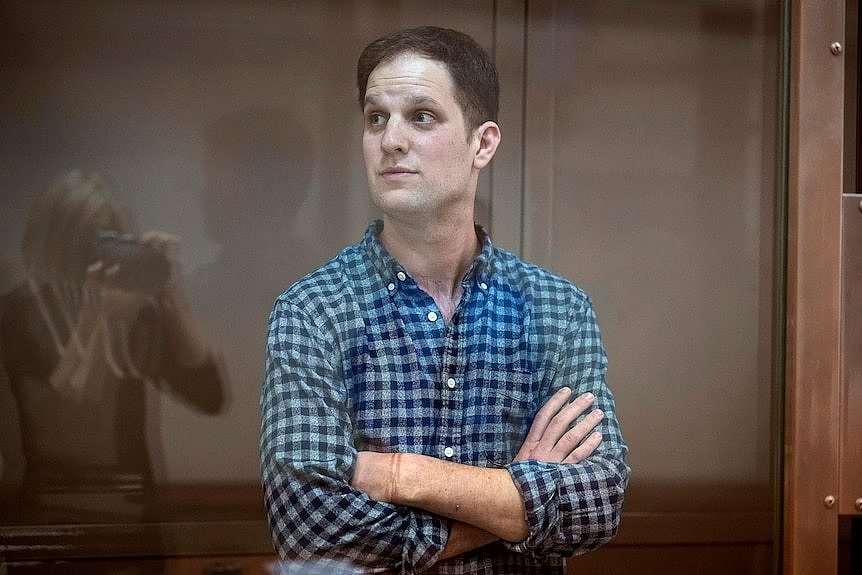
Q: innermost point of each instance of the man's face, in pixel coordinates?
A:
(418, 158)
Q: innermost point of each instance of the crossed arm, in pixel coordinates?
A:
(326, 500)
(484, 502)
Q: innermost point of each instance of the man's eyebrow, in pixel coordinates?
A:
(420, 100)
(371, 100)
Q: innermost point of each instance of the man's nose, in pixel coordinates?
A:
(394, 137)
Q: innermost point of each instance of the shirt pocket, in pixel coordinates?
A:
(498, 414)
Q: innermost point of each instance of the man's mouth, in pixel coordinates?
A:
(396, 171)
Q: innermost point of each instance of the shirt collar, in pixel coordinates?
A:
(388, 267)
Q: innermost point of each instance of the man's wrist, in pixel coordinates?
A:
(406, 468)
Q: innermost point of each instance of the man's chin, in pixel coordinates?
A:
(399, 200)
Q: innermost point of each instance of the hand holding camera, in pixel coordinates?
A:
(141, 264)
(130, 269)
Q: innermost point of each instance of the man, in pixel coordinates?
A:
(401, 421)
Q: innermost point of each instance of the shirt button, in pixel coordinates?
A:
(451, 383)
(391, 286)
(448, 452)
(483, 285)
(401, 276)
(432, 316)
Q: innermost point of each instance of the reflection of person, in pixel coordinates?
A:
(81, 336)
(417, 407)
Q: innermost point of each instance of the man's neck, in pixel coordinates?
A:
(435, 256)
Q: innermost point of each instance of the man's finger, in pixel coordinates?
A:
(562, 421)
(546, 413)
(585, 449)
(573, 437)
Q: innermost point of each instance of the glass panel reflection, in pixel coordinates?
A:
(101, 314)
(233, 130)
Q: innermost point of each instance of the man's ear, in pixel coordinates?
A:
(488, 135)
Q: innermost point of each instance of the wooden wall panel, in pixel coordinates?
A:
(709, 559)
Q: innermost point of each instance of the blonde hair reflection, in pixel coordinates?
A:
(59, 245)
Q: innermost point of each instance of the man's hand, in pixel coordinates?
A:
(551, 439)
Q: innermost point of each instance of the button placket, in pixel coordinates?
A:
(452, 394)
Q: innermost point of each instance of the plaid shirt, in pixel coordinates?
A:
(359, 358)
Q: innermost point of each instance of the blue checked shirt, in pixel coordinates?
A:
(360, 359)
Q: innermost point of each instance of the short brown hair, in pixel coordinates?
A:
(477, 87)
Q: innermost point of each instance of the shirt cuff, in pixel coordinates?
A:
(538, 483)
(425, 539)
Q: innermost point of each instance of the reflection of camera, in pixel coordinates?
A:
(142, 268)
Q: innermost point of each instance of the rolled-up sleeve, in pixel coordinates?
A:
(307, 459)
(574, 508)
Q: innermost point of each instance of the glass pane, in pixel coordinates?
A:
(234, 128)
(664, 155)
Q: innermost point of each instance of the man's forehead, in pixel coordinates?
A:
(408, 54)
(416, 75)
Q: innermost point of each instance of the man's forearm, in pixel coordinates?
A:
(463, 538)
(484, 498)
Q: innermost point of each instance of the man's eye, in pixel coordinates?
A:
(424, 117)
(375, 119)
